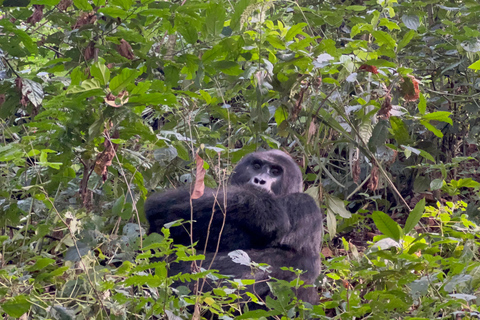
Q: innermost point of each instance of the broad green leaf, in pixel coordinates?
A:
(114, 12)
(40, 264)
(383, 38)
(215, 17)
(83, 5)
(422, 104)
(281, 114)
(399, 130)
(100, 72)
(475, 65)
(356, 8)
(26, 40)
(189, 33)
(17, 306)
(240, 8)
(443, 116)
(406, 39)
(154, 98)
(182, 151)
(386, 225)
(124, 4)
(431, 128)
(436, 184)
(118, 206)
(337, 206)
(411, 21)
(119, 82)
(331, 224)
(414, 216)
(45, 2)
(379, 135)
(99, 3)
(384, 22)
(294, 30)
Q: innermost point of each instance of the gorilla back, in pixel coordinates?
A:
(261, 212)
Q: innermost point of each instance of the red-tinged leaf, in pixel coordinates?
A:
(199, 180)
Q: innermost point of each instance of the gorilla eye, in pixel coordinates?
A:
(276, 171)
(257, 166)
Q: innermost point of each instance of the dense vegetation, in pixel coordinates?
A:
(104, 101)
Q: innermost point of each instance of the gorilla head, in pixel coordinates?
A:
(272, 171)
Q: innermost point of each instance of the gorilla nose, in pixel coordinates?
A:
(259, 181)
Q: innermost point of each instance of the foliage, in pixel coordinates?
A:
(102, 102)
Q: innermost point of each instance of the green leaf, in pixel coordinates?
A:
(411, 21)
(181, 150)
(83, 5)
(189, 33)
(414, 216)
(384, 22)
(383, 38)
(118, 206)
(114, 12)
(154, 98)
(119, 82)
(40, 264)
(431, 128)
(399, 130)
(422, 104)
(26, 40)
(124, 4)
(436, 184)
(337, 206)
(45, 2)
(214, 19)
(17, 306)
(294, 30)
(240, 8)
(356, 8)
(379, 135)
(386, 225)
(281, 114)
(406, 39)
(100, 72)
(443, 116)
(475, 65)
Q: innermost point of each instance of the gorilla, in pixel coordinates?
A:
(262, 212)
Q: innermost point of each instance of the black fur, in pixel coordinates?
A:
(266, 215)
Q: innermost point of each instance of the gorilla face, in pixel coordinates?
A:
(271, 171)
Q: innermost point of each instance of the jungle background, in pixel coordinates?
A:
(105, 101)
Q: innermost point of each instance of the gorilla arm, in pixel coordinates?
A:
(252, 218)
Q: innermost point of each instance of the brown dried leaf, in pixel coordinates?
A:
(104, 159)
(356, 170)
(64, 4)
(18, 83)
(327, 253)
(84, 19)
(37, 15)
(368, 68)
(199, 180)
(384, 111)
(410, 88)
(125, 50)
(312, 129)
(89, 52)
(373, 181)
(298, 104)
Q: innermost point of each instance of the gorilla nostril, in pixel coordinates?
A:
(263, 182)
(255, 180)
